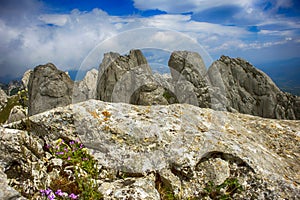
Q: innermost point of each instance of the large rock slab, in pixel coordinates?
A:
(48, 88)
(180, 147)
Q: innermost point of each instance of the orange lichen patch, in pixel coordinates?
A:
(106, 113)
(94, 114)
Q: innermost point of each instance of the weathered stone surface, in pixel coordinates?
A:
(3, 99)
(242, 87)
(131, 188)
(86, 89)
(7, 192)
(188, 72)
(128, 79)
(179, 147)
(25, 78)
(48, 88)
(17, 113)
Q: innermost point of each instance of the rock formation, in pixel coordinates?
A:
(17, 113)
(128, 79)
(188, 72)
(3, 99)
(25, 78)
(145, 152)
(246, 89)
(48, 88)
(86, 89)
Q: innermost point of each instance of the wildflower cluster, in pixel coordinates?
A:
(82, 184)
(52, 195)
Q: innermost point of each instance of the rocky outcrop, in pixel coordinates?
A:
(25, 78)
(3, 99)
(48, 88)
(188, 72)
(17, 113)
(128, 79)
(243, 88)
(86, 88)
(145, 152)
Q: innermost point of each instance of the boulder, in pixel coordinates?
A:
(146, 152)
(3, 99)
(188, 72)
(243, 88)
(86, 89)
(128, 79)
(48, 88)
(17, 113)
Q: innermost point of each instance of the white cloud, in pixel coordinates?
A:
(75, 34)
(58, 20)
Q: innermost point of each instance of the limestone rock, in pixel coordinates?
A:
(3, 99)
(17, 113)
(7, 192)
(48, 88)
(128, 79)
(246, 89)
(86, 89)
(25, 78)
(177, 148)
(188, 67)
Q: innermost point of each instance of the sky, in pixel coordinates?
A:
(74, 34)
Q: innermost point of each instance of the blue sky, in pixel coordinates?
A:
(65, 32)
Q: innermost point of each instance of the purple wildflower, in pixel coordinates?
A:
(81, 146)
(59, 153)
(73, 196)
(42, 192)
(69, 158)
(48, 191)
(51, 196)
(71, 142)
(66, 149)
(59, 192)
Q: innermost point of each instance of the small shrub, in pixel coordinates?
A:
(81, 184)
(224, 191)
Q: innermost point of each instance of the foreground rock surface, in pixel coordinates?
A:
(143, 149)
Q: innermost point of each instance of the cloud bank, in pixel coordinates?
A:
(32, 35)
